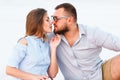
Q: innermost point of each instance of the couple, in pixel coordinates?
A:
(75, 48)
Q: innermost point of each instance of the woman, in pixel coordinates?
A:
(33, 58)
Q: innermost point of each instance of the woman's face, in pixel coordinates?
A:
(47, 24)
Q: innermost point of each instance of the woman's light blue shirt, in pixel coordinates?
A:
(33, 58)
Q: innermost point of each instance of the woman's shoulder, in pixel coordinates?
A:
(23, 41)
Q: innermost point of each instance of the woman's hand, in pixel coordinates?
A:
(55, 41)
(40, 77)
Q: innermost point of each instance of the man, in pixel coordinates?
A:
(78, 52)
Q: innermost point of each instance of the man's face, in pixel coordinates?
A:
(60, 21)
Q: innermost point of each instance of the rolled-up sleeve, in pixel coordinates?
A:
(18, 54)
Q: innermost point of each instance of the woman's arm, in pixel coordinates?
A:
(12, 71)
(23, 75)
(53, 68)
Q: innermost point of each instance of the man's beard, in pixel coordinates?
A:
(62, 31)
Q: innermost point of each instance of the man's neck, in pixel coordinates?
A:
(72, 35)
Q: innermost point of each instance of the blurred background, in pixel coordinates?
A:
(104, 14)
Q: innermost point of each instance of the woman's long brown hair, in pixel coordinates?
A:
(34, 22)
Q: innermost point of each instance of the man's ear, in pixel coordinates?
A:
(70, 20)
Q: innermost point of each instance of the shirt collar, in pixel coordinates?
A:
(81, 30)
